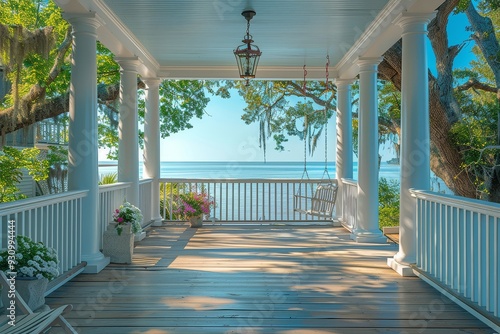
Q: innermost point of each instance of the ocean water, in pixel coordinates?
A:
(251, 170)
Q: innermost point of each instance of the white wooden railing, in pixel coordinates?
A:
(145, 198)
(243, 200)
(55, 220)
(111, 196)
(349, 203)
(458, 244)
(50, 132)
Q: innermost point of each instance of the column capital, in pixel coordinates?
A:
(368, 64)
(152, 82)
(128, 63)
(414, 23)
(87, 22)
(344, 83)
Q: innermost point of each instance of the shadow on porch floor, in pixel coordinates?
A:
(258, 279)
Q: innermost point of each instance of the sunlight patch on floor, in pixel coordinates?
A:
(197, 303)
(227, 265)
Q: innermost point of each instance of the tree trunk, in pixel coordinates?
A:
(50, 108)
(53, 107)
(485, 38)
(446, 159)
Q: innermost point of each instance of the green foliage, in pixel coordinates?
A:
(484, 5)
(282, 110)
(12, 161)
(57, 156)
(474, 133)
(388, 194)
(32, 17)
(108, 135)
(108, 71)
(180, 101)
(168, 191)
(109, 178)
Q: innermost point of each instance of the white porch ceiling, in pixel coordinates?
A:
(196, 38)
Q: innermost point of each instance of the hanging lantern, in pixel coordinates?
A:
(248, 54)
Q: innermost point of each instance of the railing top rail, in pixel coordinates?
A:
(38, 201)
(114, 186)
(145, 181)
(490, 208)
(236, 180)
(350, 182)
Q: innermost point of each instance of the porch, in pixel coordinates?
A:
(451, 242)
(258, 279)
(269, 262)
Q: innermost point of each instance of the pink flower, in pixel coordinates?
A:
(120, 219)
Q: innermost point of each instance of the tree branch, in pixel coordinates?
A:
(474, 84)
(445, 56)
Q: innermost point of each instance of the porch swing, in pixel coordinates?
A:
(322, 201)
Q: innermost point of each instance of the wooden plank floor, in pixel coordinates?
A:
(260, 279)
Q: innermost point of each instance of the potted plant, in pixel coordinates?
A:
(127, 216)
(193, 206)
(34, 265)
(118, 240)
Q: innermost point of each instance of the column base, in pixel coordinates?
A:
(139, 236)
(336, 222)
(402, 269)
(95, 263)
(368, 237)
(157, 221)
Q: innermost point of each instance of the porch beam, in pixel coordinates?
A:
(415, 135)
(344, 162)
(83, 171)
(152, 144)
(367, 228)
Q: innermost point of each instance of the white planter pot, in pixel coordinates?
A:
(32, 291)
(196, 221)
(119, 248)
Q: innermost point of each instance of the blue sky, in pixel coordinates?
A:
(223, 136)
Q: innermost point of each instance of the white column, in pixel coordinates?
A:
(82, 147)
(152, 144)
(367, 227)
(128, 128)
(344, 161)
(415, 141)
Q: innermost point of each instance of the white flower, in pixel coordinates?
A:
(33, 259)
(27, 271)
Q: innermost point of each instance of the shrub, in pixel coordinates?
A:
(388, 194)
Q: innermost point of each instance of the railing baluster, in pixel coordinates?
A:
(49, 219)
(251, 201)
(496, 269)
(245, 201)
(241, 199)
(462, 246)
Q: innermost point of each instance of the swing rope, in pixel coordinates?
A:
(304, 92)
(327, 74)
